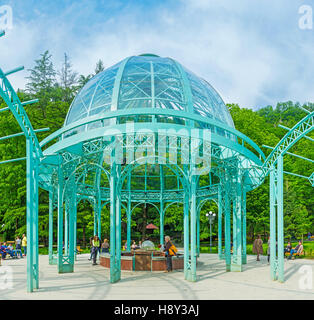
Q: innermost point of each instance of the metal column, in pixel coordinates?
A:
(273, 236)
(50, 245)
(236, 264)
(227, 223)
(220, 214)
(244, 257)
(186, 208)
(128, 215)
(115, 225)
(161, 211)
(280, 235)
(32, 218)
(193, 210)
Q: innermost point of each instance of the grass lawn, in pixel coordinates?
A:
(308, 248)
(44, 250)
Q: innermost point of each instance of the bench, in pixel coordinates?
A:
(302, 253)
(9, 256)
(78, 250)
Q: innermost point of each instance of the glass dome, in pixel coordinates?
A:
(148, 245)
(148, 81)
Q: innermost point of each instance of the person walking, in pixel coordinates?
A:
(91, 247)
(99, 247)
(24, 244)
(268, 249)
(95, 247)
(258, 247)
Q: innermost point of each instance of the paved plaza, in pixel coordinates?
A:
(92, 282)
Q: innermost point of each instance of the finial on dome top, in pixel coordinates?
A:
(148, 55)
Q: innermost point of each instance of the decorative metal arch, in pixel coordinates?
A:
(151, 203)
(33, 156)
(273, 165)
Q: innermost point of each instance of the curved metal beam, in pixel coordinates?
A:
(14, 104)
(302, 128)
(156, 111)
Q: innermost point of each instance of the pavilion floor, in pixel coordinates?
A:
(92, 282)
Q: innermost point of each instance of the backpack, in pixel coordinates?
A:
(173, 250)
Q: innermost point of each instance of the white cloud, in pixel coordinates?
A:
(252, 52)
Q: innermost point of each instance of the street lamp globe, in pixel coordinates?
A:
(209, 213)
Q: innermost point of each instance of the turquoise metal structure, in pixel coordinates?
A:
(33, 155)
(147, 130)
(144, 131)
(274, 167)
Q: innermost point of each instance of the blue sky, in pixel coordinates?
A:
(253, 52)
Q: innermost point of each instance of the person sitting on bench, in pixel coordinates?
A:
(6, 250)
(11, 251)
(298, 249)
(288, 248)
(3, 251)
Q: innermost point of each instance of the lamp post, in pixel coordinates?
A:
(211, 217)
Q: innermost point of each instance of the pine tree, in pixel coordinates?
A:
(42, 76)
(83, 80)
(42, 81)
(68, 79)
(99, 66)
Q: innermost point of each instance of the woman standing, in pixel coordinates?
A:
(169, 253)
(24, 244)
(95, 247)
(18, 247)
(258, 247)
(105, 246)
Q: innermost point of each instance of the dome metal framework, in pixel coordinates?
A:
(146, 130)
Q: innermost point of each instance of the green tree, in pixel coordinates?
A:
(68, 79)
(99, 66)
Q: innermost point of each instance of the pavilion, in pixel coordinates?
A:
(147, 130)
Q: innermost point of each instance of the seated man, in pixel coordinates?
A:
(298, 249)
(3, 251)
(139, 245)
(10, 251)
(134, 246)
